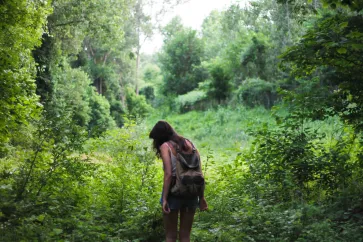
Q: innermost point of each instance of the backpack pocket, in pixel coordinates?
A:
(189, 180)
(192, 186)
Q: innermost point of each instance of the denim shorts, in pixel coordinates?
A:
(176, 203)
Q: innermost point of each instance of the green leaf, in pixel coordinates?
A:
(355, 34)
(352, 105)
(41, 218)
(58, 231)
(342, 50)
(344, 24)
(357, 46)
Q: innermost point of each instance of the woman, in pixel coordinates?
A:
(165, 142)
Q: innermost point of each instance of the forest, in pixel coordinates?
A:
(270, 92)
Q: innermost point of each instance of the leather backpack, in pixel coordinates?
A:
(189, 180)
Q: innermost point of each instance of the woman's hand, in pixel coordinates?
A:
(166, 209)
(203, 206)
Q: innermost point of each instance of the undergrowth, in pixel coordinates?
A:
(265, 182)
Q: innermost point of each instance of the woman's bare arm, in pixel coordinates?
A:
(165, 156)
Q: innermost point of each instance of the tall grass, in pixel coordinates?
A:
(221, 129)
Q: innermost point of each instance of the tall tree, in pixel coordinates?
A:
(329, 59)
(146, 16)
(89, 39)
(213, 35)
(180, 62)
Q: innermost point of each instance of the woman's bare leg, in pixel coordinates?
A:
(171, 225)
(186, 221)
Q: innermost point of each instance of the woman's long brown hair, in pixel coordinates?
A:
(163, 132)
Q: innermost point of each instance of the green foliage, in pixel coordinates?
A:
(74, 97)
(72, 21)
(22, 24)
(180, 60)
(190, 100)
(71, 175)
(172, 28)
(292, 181)
(148, 92)
(153, 81)
(152, 76)
(322, 51)
(55, 194)
(290, 164)
(71, 89)
(354, 5)
(249, 40)
(106, 81)
(233, 126)
(246, 199)
(126, 205)
(254, 60)
(256, 92)
(42, 175)
(101, 119)
(87, 38)
(136, 104)
(212, 35)
(220, 86)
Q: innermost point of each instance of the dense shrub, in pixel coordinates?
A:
(190, 100)
(136, 104)
(256, 92)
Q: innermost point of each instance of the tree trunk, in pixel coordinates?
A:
(288, 23)
(105, 57)
(137, 70)
(100, 83)
(122, 93)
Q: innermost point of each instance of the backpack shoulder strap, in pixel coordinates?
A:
(168, 146)
(175, 146)
(194, 149)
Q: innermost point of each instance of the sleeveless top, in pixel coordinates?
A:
(173, 161)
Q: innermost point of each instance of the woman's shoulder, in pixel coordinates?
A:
(167, 145)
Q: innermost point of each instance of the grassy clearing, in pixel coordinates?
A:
(222, 129)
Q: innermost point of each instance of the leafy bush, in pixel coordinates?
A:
(129, 204)
(220, 86)
(148, 92)
(255, 92)
(21, 27)
(136, 104)
(190, 100)
(53, 193)
(43, 180)
(101, 119)
(71, 92)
